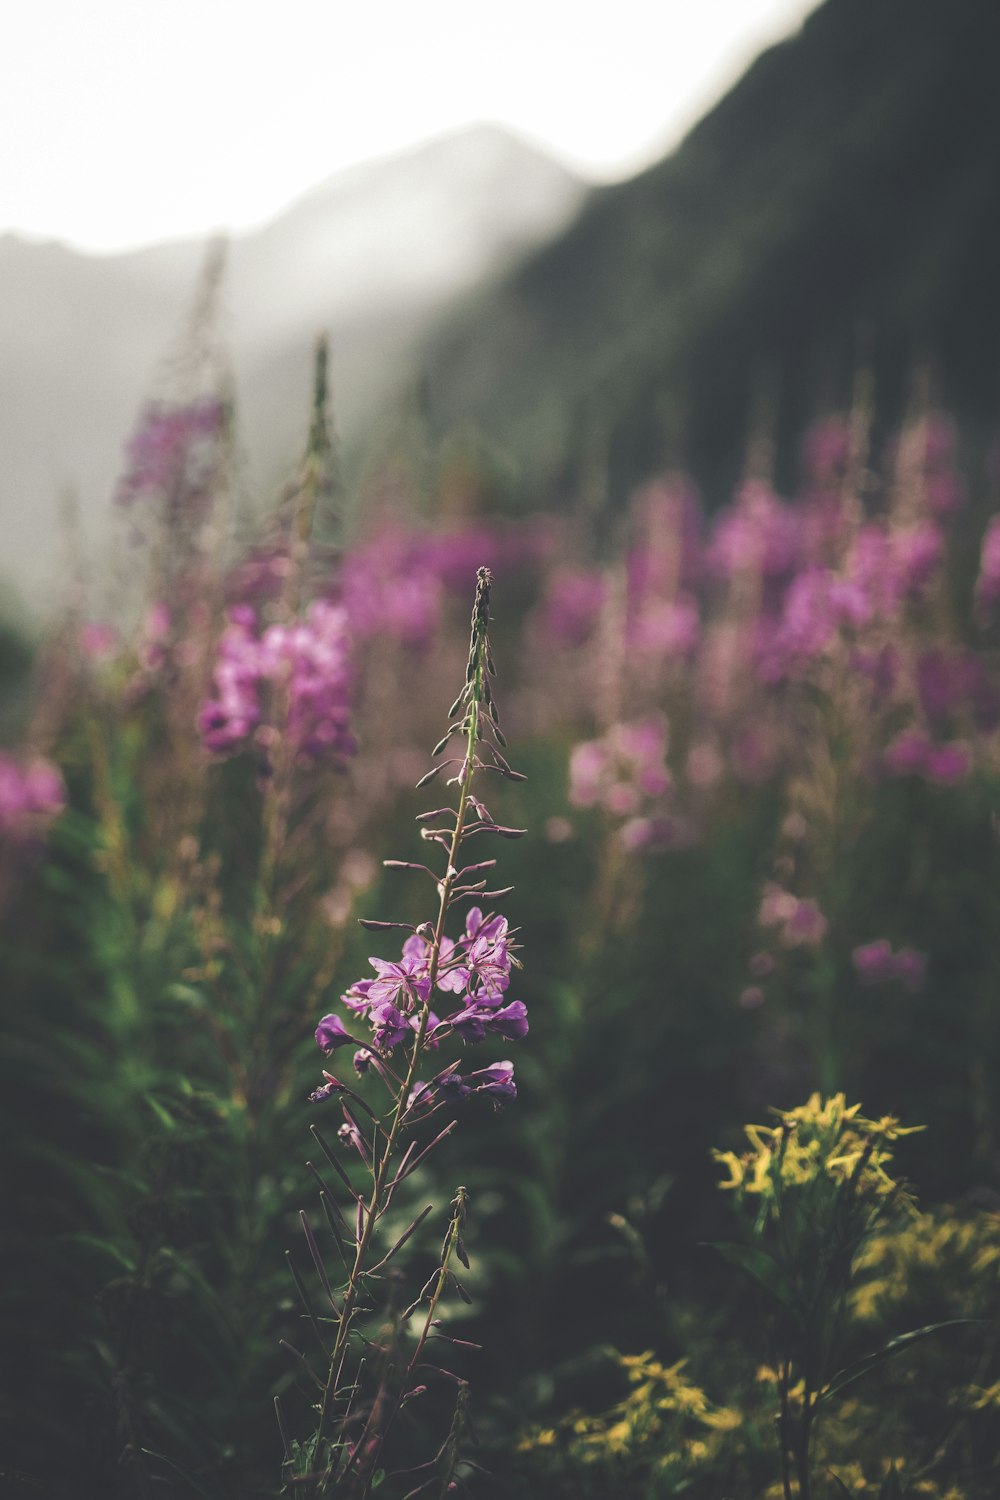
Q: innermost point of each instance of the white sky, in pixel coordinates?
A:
(126, 121)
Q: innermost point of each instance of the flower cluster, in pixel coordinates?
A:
(171, 454)
(824, 1141)
(473, 971)
(664, 1427)
(876, 963)
(624, 773)
(914, 753)
(947, 1248)
(32, 794)
(465, 978)
(395, 582)
(308, 660)
(842, 598)
(799, 922)
(572, 605)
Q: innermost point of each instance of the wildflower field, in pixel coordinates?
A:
(555, 1056)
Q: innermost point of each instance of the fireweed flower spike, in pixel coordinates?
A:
(440, 992)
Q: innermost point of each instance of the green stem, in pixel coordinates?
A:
(374, 1206)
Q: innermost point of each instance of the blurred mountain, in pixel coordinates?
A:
(371, 256)
(839, 208)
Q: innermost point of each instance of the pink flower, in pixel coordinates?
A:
(31, 796)
(757, 533)
(573, 604)
(669, 628)
(98, 640)
(875, 963)
(908, 753)
(988, 582)
(948, 765)
(172, 455)
(806, 927)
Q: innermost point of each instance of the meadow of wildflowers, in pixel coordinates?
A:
(750, 849)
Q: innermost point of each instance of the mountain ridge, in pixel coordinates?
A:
(82, 336)
(838, 205)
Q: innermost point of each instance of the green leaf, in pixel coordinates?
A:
(764, 1269)
(851, 1373)
(186, 994)
(163, 1115)
(890, 1488)
(181, 1473)
(377, 1478)
(86, 1241)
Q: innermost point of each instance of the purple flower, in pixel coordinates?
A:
(988, 582)
(470, 1023)
(943, 680)
(805, 927)
(758, 533)
(326, 1090)
(447, 1085)
(478, 926)
(917, 552)
(350, 1135)
(667, 627)
(948, 765)
(331, 1033)
(908, 753)
(98, 640)
(880, 666)
(389, 1025)
(488, 963)
(358, 997)
(573, 605)
(408, 978)
(497, 1081)
(911, 968)
(172, 455)
(228, 718)
(309, 659)
(473, 1023)
(623, 770)
(588, 766)
(875, 963)
(31, 796)
(510, 1022)
(485, 961)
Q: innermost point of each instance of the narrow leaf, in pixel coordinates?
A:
(412, 1229)
(305, 1365)
(317, 1258)
(763, 1268)
(851, 1373)
(304, 1295)
(335, 1164)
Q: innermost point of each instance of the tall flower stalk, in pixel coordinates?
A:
(367, 1379)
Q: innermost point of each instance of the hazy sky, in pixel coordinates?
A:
(125, 121)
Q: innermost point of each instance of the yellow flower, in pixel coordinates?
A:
(731, 1160)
